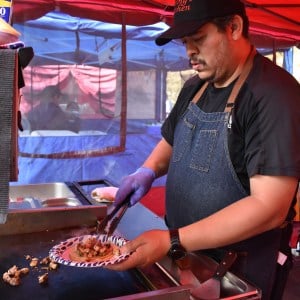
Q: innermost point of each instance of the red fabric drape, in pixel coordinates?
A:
(131, 12)
(81, 82)
(24, 10)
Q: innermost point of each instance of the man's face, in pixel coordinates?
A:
(56, 98)
(209, 53)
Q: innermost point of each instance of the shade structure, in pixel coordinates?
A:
(273, 24)
(276, 19)
(58, 38)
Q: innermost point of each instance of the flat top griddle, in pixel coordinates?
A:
(35, 232)
(65, 282)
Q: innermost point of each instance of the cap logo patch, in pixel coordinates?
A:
(182, 6)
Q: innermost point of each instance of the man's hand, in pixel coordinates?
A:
(145, 250)
(135, 185)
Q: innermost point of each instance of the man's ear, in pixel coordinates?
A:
(236, 27)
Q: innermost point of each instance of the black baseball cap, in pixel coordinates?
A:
(190, 15)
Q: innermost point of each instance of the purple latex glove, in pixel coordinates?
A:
(136, 184)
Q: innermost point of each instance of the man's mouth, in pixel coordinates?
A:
(197, 65)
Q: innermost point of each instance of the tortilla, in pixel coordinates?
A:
(104, 194)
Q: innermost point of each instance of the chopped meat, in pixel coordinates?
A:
(92, 247)
(24, 271)
(53, 265)
(12, 271)
(34, 262)
(12, 280)
(43, 278)
(45, 261)
(13, 275)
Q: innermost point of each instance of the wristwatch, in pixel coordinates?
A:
(176, 251)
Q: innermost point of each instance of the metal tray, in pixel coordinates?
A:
(57, 202)
(45, 195)
(40, 191)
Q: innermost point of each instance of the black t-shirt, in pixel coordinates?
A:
(265, 134)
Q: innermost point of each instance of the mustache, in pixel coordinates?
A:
(195, 61)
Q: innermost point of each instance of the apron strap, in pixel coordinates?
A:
(237, 86)
(242, 78)
(200, 92)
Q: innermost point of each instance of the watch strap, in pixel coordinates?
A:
(174, 236)
(176, 251)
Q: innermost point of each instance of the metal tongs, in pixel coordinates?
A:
(109, 224)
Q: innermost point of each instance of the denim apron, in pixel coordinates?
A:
(201, 181)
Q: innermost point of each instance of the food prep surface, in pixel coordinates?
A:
(34, 232)
(65, 282)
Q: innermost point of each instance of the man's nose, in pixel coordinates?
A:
(191, 48)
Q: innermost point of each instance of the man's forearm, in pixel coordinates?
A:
(264, 210)
(159, 158)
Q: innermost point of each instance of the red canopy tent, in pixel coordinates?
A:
(271, 21)
(273, 24)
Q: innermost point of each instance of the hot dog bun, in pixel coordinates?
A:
(104, 194)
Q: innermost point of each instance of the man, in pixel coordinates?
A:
(47, 114)
(231, 148)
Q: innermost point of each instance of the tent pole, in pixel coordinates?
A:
(274, 52)
(160, 91)
(123, 124)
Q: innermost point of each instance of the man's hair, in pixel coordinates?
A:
(223, 22)
(49, 93)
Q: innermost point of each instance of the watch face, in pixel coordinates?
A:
(177, 252)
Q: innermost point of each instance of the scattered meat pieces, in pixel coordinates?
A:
(12, 280)
(43, 278)
(12, 271)
(53, 265)
(34, 262)
(45, 261)
(13, 275)
(24, 271)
